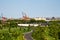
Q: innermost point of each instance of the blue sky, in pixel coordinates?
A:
(33, 8)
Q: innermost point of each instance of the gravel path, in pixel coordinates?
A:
(27, 35)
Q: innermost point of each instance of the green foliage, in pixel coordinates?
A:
(12, 35)
(52, 32)
(11, 31)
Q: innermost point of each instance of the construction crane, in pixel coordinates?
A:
(3, 18)
(25, 17)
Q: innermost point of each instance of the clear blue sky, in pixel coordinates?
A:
(33, 8)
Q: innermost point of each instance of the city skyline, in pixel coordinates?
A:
(33, 8)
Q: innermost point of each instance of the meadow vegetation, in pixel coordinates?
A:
(9, 30)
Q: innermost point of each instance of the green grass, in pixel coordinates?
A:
(46, 34)
(13, 34)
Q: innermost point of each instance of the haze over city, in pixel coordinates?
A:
(33, 8)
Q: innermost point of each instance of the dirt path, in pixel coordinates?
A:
(27, 35)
